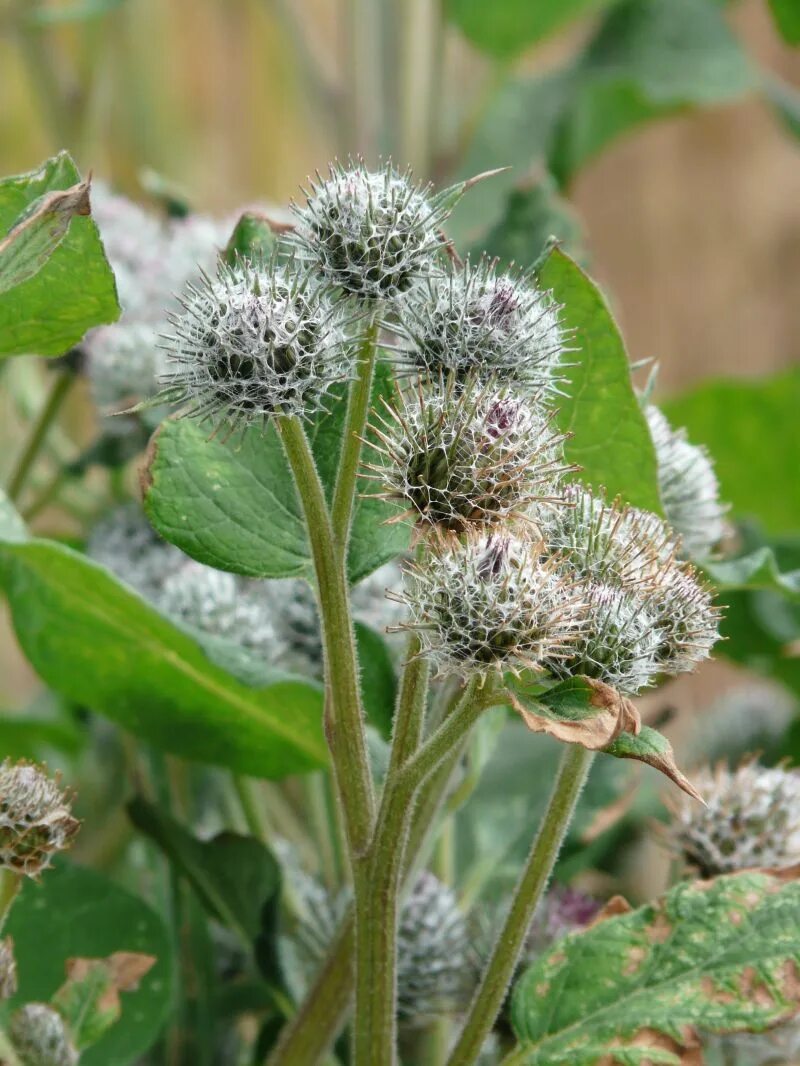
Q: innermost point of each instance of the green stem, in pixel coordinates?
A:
(491, 992)
(47, 416)
(355, 423)
(378, 878)
(344, 722)
(10, 884)
(245, 793)
(306, 1038)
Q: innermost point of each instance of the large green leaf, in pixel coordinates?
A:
(503, 28)
(232, 503)
(649, 58)
(611, 441)
(98, 643)
(750, 428)
(73, 290)
(787, 18)
(77, 913)
(715, 956)
(234, 876)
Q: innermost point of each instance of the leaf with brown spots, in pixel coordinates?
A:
(637, 987)
(651, 747)
(579, 710)
(89, 999)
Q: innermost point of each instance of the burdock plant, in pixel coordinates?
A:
(520, 578)
(372, 437)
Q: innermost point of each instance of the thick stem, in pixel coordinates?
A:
(355, 422)
(344, 724)
(378, 879)
(39, 430)
(491, 992)
(306, 1038)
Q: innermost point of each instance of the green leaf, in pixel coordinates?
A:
(785, 100)
(232, 503)
(73, 291)
(717, 956)
(651, 747)
(759, 569)
(504, 28)
(750, 429)
(648, 59)
(579, 710)
(234, 876)
(38, 232)
(535, 216)
(12, 528)
(753, 636)
(77, 913)
(378, 679)
(253, 238)
(611, 441)
(89, 1001)
(98, 643)
(786, 14)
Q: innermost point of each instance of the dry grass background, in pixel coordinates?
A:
(693, 223)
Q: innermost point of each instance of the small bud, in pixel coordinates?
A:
(688, 486)
(8, 969)
(254, 343)
(750, 819)
(35, 818)
(469, 457)
(472, 320)
(684, 611)
(370, 234)
(490, 603)
(40, 1037)
(563, 910)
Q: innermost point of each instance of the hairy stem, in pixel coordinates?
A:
(344, 723)
(306, 1038)
(491, 992)
(357, 408)
(38, 432)
(378, 880)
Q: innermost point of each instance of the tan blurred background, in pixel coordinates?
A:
(693, 223)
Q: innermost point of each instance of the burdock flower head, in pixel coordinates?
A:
(474, 320)
(41, 1038)
(688, 485)
(256, 342)
(35, 818)
(750, 819)
(369, 233)
(618, 645)
(490, 603)
(457, 458)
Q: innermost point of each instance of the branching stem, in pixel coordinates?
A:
(38, 433)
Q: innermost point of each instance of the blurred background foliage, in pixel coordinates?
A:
(657, 139)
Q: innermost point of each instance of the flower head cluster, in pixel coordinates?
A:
(41, 1038)
(688, 485)
(36, 819)
(152, 260)
(371, 234)
(490, 603)
(470, 320)
(197, 596)
(256, 342)
(648, 612)
(750, 819)
(455, 458)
